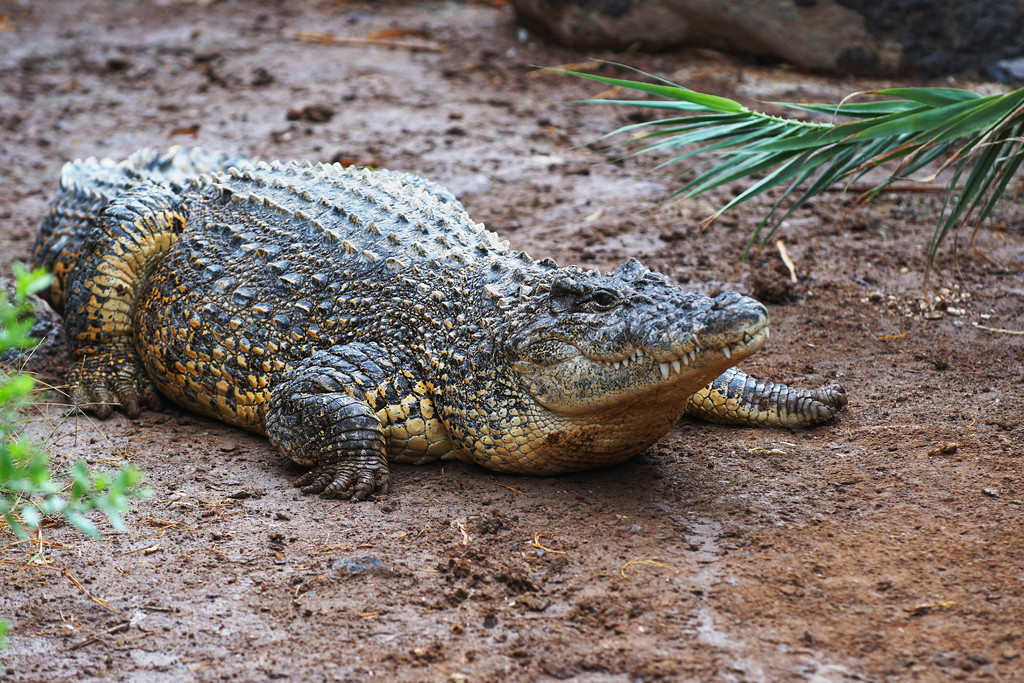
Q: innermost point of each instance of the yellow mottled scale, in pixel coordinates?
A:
(714, 404)
(61, 270)
(412, 431)
(542, 442)
(211, 387)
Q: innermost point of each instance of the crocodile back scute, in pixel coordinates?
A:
(87, 186)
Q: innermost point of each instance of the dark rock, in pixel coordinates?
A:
(1008, 70)
(261, 77)
(856, 36)
(313, 113)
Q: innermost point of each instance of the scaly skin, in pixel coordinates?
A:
(354, 316)
(87, 186)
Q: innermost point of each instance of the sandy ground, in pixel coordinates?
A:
(885, 546)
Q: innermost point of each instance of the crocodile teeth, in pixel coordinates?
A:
(675, 365)
(726, 352)
(617, 364)
(664, 370)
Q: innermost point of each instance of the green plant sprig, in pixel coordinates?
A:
(29, 491)
(979, 137)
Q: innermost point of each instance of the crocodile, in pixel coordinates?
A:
(355, 316)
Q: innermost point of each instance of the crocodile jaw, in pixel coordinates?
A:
(637, 407)
(580, 385)
(683, 368)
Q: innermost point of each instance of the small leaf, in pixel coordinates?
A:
(83, 524)
(80, 486)
(30, 516)
(115, 518)
(15, 526)
(674, 92)
(933, 97)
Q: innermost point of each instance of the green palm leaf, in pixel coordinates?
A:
(979, 137)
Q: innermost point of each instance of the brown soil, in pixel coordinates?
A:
(885, 546)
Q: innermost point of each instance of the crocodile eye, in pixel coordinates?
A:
(603, 300)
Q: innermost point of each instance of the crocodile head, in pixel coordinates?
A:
(595, 343)
(606, 363)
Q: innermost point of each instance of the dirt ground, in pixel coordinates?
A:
(885, 546)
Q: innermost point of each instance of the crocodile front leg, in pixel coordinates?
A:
(319, 417)
(129, 238)
(737, 398)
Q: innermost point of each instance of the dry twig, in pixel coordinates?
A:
(328, 39)
(116, 628)
(465, 531)
(642, 560)
(780, 245)
(998, 330)
(537, 544)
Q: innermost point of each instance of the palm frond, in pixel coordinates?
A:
(981, 138)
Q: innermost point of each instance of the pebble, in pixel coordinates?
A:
(364, 564)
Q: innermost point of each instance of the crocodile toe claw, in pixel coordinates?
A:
(345, 480)
(100, 382)
(832, 398)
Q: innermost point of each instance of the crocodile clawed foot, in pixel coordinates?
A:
(100, 382)
(350, 480)
(828, 400)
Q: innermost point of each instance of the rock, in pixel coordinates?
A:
(365, 564)
(1009, 70)
(313, 113)
(887, 37)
